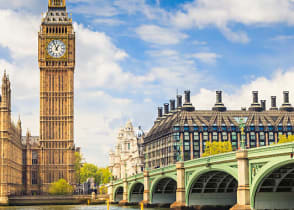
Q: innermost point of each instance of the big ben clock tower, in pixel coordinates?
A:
(57, 63)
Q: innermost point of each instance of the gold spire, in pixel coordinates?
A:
(56, 3)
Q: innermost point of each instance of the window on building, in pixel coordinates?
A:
(176, 136)
(196, 149)
(34, 177)
(214, 136)
(129, 146)
(234, 140)
(186, 136)
(271, 138)
(196, 136)
(186, 146)
(34, 157)
(204, 140)
(261, 139)
(176, 128)
(224, 136)
(252, 139)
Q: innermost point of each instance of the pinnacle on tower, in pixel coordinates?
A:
(56, 3)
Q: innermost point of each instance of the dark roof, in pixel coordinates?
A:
(164, 125)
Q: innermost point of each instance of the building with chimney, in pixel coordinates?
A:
(127, 157)
(181, 132)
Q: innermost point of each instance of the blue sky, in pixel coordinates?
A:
(133, 55)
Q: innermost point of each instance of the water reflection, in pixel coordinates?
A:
(80, 207)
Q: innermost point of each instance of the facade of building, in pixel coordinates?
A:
(180, 133)
(127, 158)
(56, 63)
(29, 164)
(10, 146)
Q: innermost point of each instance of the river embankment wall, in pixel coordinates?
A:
(56, 200)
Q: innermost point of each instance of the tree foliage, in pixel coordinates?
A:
(61, 187)
(213, 148)
(104, 175)
(101, 175)
(285, 139)
(88, 170)
(78, 165)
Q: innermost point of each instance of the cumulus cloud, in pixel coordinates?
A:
(206, 57)
(14, 27)
(221, 13)
(158, 35)
(98, 62)
(109, 21)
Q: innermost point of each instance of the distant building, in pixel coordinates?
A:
(127, 158)
(180, 133)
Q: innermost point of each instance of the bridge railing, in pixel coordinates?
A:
(275, 149)
(224, 157)
(135, 177)
(162, 170)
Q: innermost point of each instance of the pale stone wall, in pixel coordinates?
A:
(127, 158)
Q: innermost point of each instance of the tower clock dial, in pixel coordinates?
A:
(56, 48)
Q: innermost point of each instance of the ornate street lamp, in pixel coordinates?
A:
(242, 127)
(179, 154)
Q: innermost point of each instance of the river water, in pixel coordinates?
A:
(75, 207)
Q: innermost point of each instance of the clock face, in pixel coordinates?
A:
(56, 48)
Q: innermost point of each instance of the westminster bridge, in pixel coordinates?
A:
(258, 178)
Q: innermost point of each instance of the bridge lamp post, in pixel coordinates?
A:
(242, 127)
(146, 158)
(179, 154)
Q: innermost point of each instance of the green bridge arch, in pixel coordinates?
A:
(157, 180)
(229, 170)
(132, 187)
(115, 190)
(264, 171)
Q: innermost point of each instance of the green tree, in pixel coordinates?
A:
(103, 175)
(78, 165)
(88, 170)
(285, 139)
(213, 148)
(61, 187)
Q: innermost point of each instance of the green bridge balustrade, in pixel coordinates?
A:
(258, 178)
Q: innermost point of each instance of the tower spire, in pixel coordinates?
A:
(56, 3)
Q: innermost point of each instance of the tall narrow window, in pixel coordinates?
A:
(261, 139)
(271, 138)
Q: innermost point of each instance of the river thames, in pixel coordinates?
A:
(75, 207)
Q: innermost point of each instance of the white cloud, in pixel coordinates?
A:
(109, 21)
(98, 62)
(206, 57)
(158, 35)
(242, 96)
(283, 38)
(204, 13)
(18, 32)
